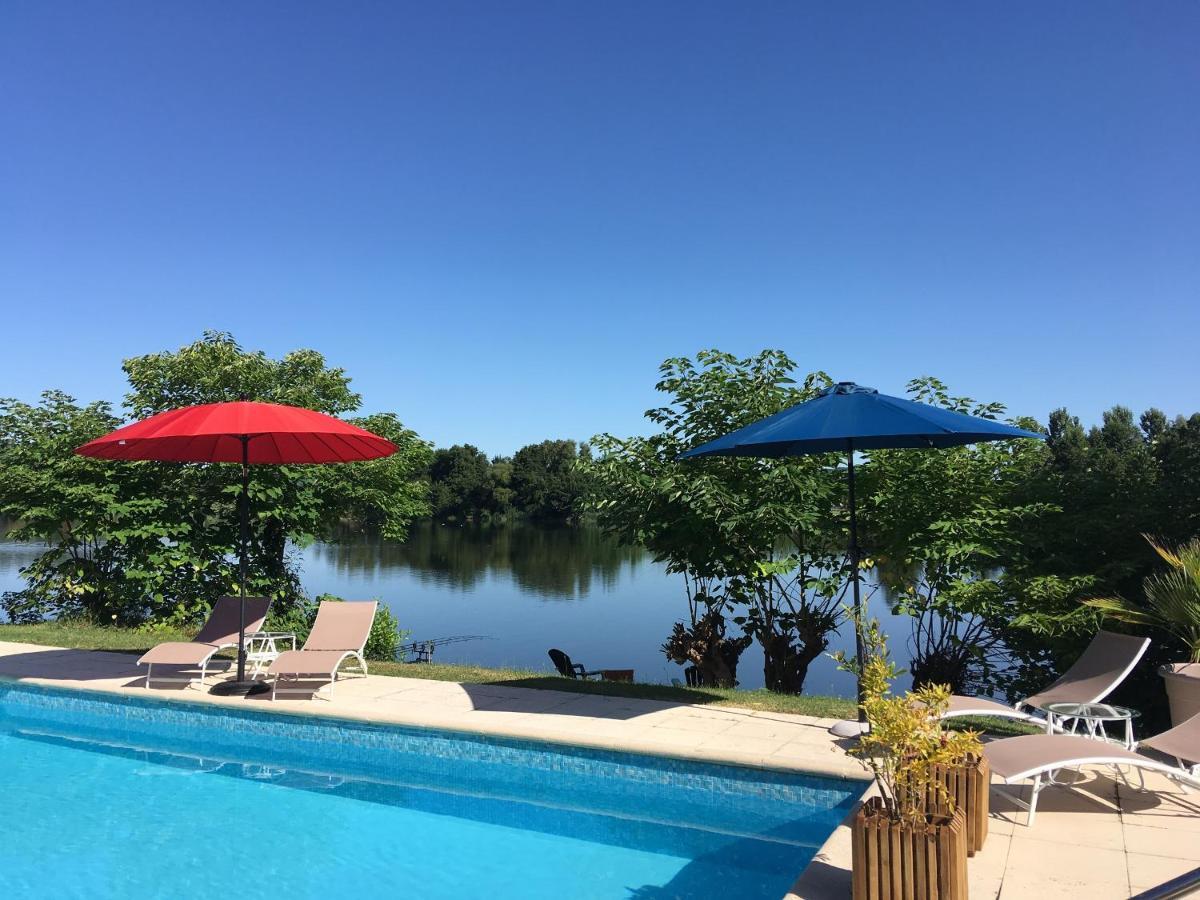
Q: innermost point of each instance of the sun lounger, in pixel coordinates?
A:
(1041, 756)
(1181, 742)
(1106, 662)
(340, 632)
(220, 632)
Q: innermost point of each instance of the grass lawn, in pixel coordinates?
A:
(92, 637)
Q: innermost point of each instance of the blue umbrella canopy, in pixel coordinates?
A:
(849, 417)
(845, 418)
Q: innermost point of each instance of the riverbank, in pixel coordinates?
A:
(79, 636)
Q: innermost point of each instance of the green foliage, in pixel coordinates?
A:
(941, 525)
(386, 636)
(131, 542)
(545, 482)
(763, 538)
(550, 480)
(114, 554)
(1113, 483)
(906, 742)
(462, 485)
(1172, 598)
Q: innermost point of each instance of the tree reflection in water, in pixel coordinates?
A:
(552, 563)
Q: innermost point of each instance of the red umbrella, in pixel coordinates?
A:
(241, 432)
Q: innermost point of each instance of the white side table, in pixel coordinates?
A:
(1089, 719)
(264, 647)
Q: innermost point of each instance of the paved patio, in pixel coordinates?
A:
(1103, 840)
(717, 734)
(1100, 840)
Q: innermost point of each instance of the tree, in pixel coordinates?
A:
(156, 540)
(548, 481)
(759, 542)
(940, 526)
(1103, 483)
(93, 514)
(1176, 447)
(461, 484)
(1113, 483)
(502, 491)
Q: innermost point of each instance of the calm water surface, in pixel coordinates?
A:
(523, 589)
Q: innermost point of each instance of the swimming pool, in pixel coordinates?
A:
(112, 796)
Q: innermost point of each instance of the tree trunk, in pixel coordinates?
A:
(785, 666)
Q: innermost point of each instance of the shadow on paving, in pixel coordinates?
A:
(69, 665)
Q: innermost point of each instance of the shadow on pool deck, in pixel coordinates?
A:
(533, 695)
(55, 664)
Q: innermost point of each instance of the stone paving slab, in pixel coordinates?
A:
(713, 734)
(1101, 839)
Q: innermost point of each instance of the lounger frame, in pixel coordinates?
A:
(361, 666)
(1046, 775)
(190, 680)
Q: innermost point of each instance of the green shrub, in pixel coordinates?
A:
(386, 636)
(296, 617)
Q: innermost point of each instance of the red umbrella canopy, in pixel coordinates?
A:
(216, 432)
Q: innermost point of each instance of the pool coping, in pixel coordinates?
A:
(828, 873)
(813, 756)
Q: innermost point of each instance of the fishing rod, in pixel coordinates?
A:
(423, 650)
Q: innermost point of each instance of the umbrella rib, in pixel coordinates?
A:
(360, 445)
(275, 444)
(333, 450)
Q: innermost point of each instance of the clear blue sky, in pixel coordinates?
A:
(500, 217)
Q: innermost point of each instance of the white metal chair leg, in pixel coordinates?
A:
(1194, 770)
(1033, 799)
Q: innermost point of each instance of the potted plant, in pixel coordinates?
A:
(1173, 605)
(911, 842)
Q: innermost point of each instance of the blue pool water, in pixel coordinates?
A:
(107, 796)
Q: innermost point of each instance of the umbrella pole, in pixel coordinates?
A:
(240, 686)
(859, 649)
(244, 548)
(853, 728)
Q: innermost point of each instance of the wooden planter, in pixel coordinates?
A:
(895, 860)
(968, 785)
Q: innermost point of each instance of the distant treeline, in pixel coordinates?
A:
(542, 482)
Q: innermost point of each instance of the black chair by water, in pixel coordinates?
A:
(568, 669)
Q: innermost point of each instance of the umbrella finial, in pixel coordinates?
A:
(847, 387)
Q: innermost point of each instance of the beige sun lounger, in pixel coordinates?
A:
(220, 632)
(339, 632)
(1041, 756)
(1106, 662)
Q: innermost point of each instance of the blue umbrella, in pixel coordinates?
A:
(847, 417)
